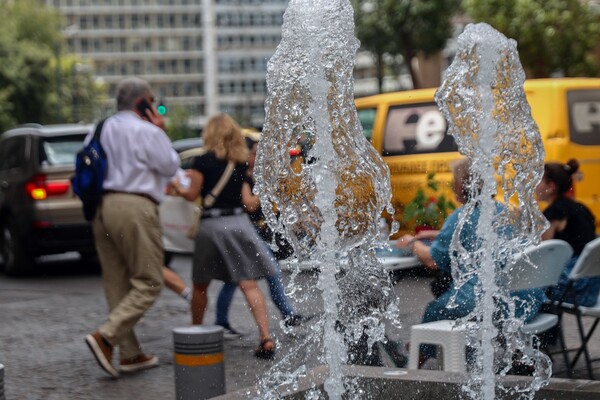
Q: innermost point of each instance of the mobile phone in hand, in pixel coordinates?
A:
(142, 106)
(184, 180)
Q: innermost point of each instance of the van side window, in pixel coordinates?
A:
(416, 129)
(584, 116)
(367, 120)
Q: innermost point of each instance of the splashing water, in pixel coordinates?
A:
(326, 182)
(483, 100)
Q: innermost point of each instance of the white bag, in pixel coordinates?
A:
(178, 217)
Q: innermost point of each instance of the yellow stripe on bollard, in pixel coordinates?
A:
(187, 360)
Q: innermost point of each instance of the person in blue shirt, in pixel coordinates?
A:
(438, 257)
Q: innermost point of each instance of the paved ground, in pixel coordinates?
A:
(44, 318)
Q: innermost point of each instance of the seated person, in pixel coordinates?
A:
(569, 221)
(437, 256)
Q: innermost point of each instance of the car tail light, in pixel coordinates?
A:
(41, 224)
(38, 188)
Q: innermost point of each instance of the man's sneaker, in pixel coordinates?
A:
(296, 319)
(229, 332)
(103, 351)
(138, 363)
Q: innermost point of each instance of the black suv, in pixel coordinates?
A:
(39, 214)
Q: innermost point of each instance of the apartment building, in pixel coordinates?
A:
(204, 55)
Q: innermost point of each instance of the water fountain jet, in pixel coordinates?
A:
(483, 100)
(328, 203)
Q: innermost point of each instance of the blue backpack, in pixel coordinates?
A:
(90, 172)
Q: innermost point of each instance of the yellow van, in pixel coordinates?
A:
(410, 133)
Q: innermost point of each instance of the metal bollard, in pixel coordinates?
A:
(2, 382)
(199, 366)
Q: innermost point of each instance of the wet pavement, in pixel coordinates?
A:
(44, 318)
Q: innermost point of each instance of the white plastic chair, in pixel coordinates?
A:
(587, 266)
(537, 267)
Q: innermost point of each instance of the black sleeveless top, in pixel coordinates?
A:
(580, 227)
(212, 168)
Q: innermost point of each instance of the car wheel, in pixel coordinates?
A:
(13, 255)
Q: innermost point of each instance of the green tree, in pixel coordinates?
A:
(404, 27)
(79, 94)
(374, 35)
(177, 123)
(553, 36)
(31, 72)
(28, 34)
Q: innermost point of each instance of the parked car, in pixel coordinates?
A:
(188, 149)
(39, 214)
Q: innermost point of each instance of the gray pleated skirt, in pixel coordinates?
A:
(229, 249)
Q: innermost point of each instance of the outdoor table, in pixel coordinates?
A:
(392, 259)
(389, 264)
(399, 263)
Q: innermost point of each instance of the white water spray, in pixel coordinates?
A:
(330, 190)
(483, 100)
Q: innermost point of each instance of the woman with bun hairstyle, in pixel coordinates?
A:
(570, 221)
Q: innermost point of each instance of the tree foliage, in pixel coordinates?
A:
(80, 94)
(553, 36)
(32, 70)
(372, 33)
(404, 27)
(177, 123)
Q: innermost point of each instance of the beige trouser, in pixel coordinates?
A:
(127, 232)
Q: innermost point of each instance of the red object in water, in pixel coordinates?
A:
(295, 152)
(420, 228)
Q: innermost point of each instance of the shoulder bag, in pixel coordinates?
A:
(210, 198)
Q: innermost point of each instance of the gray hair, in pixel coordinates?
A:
(129, 91)
(461, 169)
(470, 181)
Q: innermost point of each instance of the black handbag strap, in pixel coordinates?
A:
(97, 133)
(98, 130)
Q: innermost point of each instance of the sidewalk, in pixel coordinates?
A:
(44, 321)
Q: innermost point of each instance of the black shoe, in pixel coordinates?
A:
(264, 352)
(229, 332)
(296, 319)
(522, 369)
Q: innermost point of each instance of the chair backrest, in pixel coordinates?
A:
(588, 262)
(540, 266)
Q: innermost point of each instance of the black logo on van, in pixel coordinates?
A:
(416, 129)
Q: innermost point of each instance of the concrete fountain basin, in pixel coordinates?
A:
(404, 384)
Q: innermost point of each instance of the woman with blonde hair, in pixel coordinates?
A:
(227, 247)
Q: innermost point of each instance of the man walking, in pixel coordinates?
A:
(126, 227)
